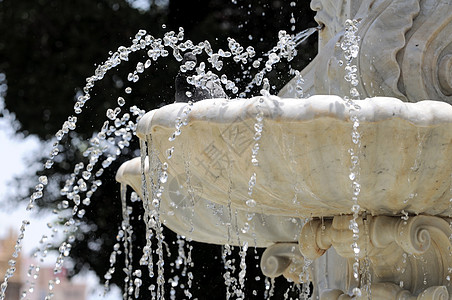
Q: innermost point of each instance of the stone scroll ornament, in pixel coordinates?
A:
(403, 258)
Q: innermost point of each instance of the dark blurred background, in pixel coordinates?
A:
(49, 47)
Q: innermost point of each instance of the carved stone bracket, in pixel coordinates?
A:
(400, 258)
(285, 259)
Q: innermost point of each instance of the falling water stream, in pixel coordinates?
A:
(116, 134)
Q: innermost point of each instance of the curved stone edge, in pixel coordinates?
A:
(423, 113)
(130, 173)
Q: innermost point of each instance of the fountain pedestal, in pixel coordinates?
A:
(409, 257)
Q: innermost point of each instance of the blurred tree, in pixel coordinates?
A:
(48, 48)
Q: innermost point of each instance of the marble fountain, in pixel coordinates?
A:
(349, 188)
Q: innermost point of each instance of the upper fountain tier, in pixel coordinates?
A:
(304, 162)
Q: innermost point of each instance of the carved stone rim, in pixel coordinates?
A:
(423, 113)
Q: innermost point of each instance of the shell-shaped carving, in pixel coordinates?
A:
(304, 163)
(419, 245)
(405, 52)
(408, 56)
(382, 38)
(426, 61)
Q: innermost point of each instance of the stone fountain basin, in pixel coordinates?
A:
(304, 162)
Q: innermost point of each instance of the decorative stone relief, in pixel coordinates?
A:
(405, 50)
(406, 258)
(412, 253)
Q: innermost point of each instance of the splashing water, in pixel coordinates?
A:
(116, 134)
(285, 48)
(350, 46)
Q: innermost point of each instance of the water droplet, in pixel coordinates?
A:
(250, 203)
(128, 90)
(164, 177)
(111, 114)
(169, 152)
(81, 213)
(245, 228)
(140, 67)
(43, 180)
(59, 135)
(86, 175)
(353, 91)
(48, 164)
(356, 292)
(355, 208)
(256, 64)
(121, 101)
